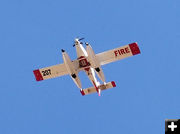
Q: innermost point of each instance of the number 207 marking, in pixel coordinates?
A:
(46, 72)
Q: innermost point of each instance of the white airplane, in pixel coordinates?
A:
(89, 62)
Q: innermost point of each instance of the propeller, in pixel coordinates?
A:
(80, 39)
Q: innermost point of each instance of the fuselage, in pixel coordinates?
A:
(89, 64)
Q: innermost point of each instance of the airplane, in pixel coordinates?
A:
(89, 62)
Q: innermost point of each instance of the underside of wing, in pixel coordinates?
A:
(50, 72)
(54, 71)
(118, 53)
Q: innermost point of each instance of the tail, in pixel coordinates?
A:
(100, 87)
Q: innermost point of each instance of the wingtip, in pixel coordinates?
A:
(113, 83)
(134, 48)
(37, 75)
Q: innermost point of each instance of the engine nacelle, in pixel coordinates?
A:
(94, 62)
(71, 70)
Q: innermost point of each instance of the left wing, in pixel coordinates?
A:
(118, 53)
(53, 71)
(50, 72)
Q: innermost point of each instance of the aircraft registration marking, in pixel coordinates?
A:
(46, 72)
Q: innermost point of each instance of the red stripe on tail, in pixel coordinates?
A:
(82, 92)
(134, 48)
(38, 75)
(113, 83)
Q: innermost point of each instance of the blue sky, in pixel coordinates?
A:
(32, 33)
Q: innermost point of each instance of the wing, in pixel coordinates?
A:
(50, 72)
(54, 71)
(118, 53)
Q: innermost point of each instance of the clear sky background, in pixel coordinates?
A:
(32, 34)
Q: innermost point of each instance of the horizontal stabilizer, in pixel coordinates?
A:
(102, 87)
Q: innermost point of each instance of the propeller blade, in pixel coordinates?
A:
(81, 39)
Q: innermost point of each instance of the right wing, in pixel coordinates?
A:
(53, 71)
(118, 53)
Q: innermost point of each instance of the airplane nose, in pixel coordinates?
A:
(76, 39)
